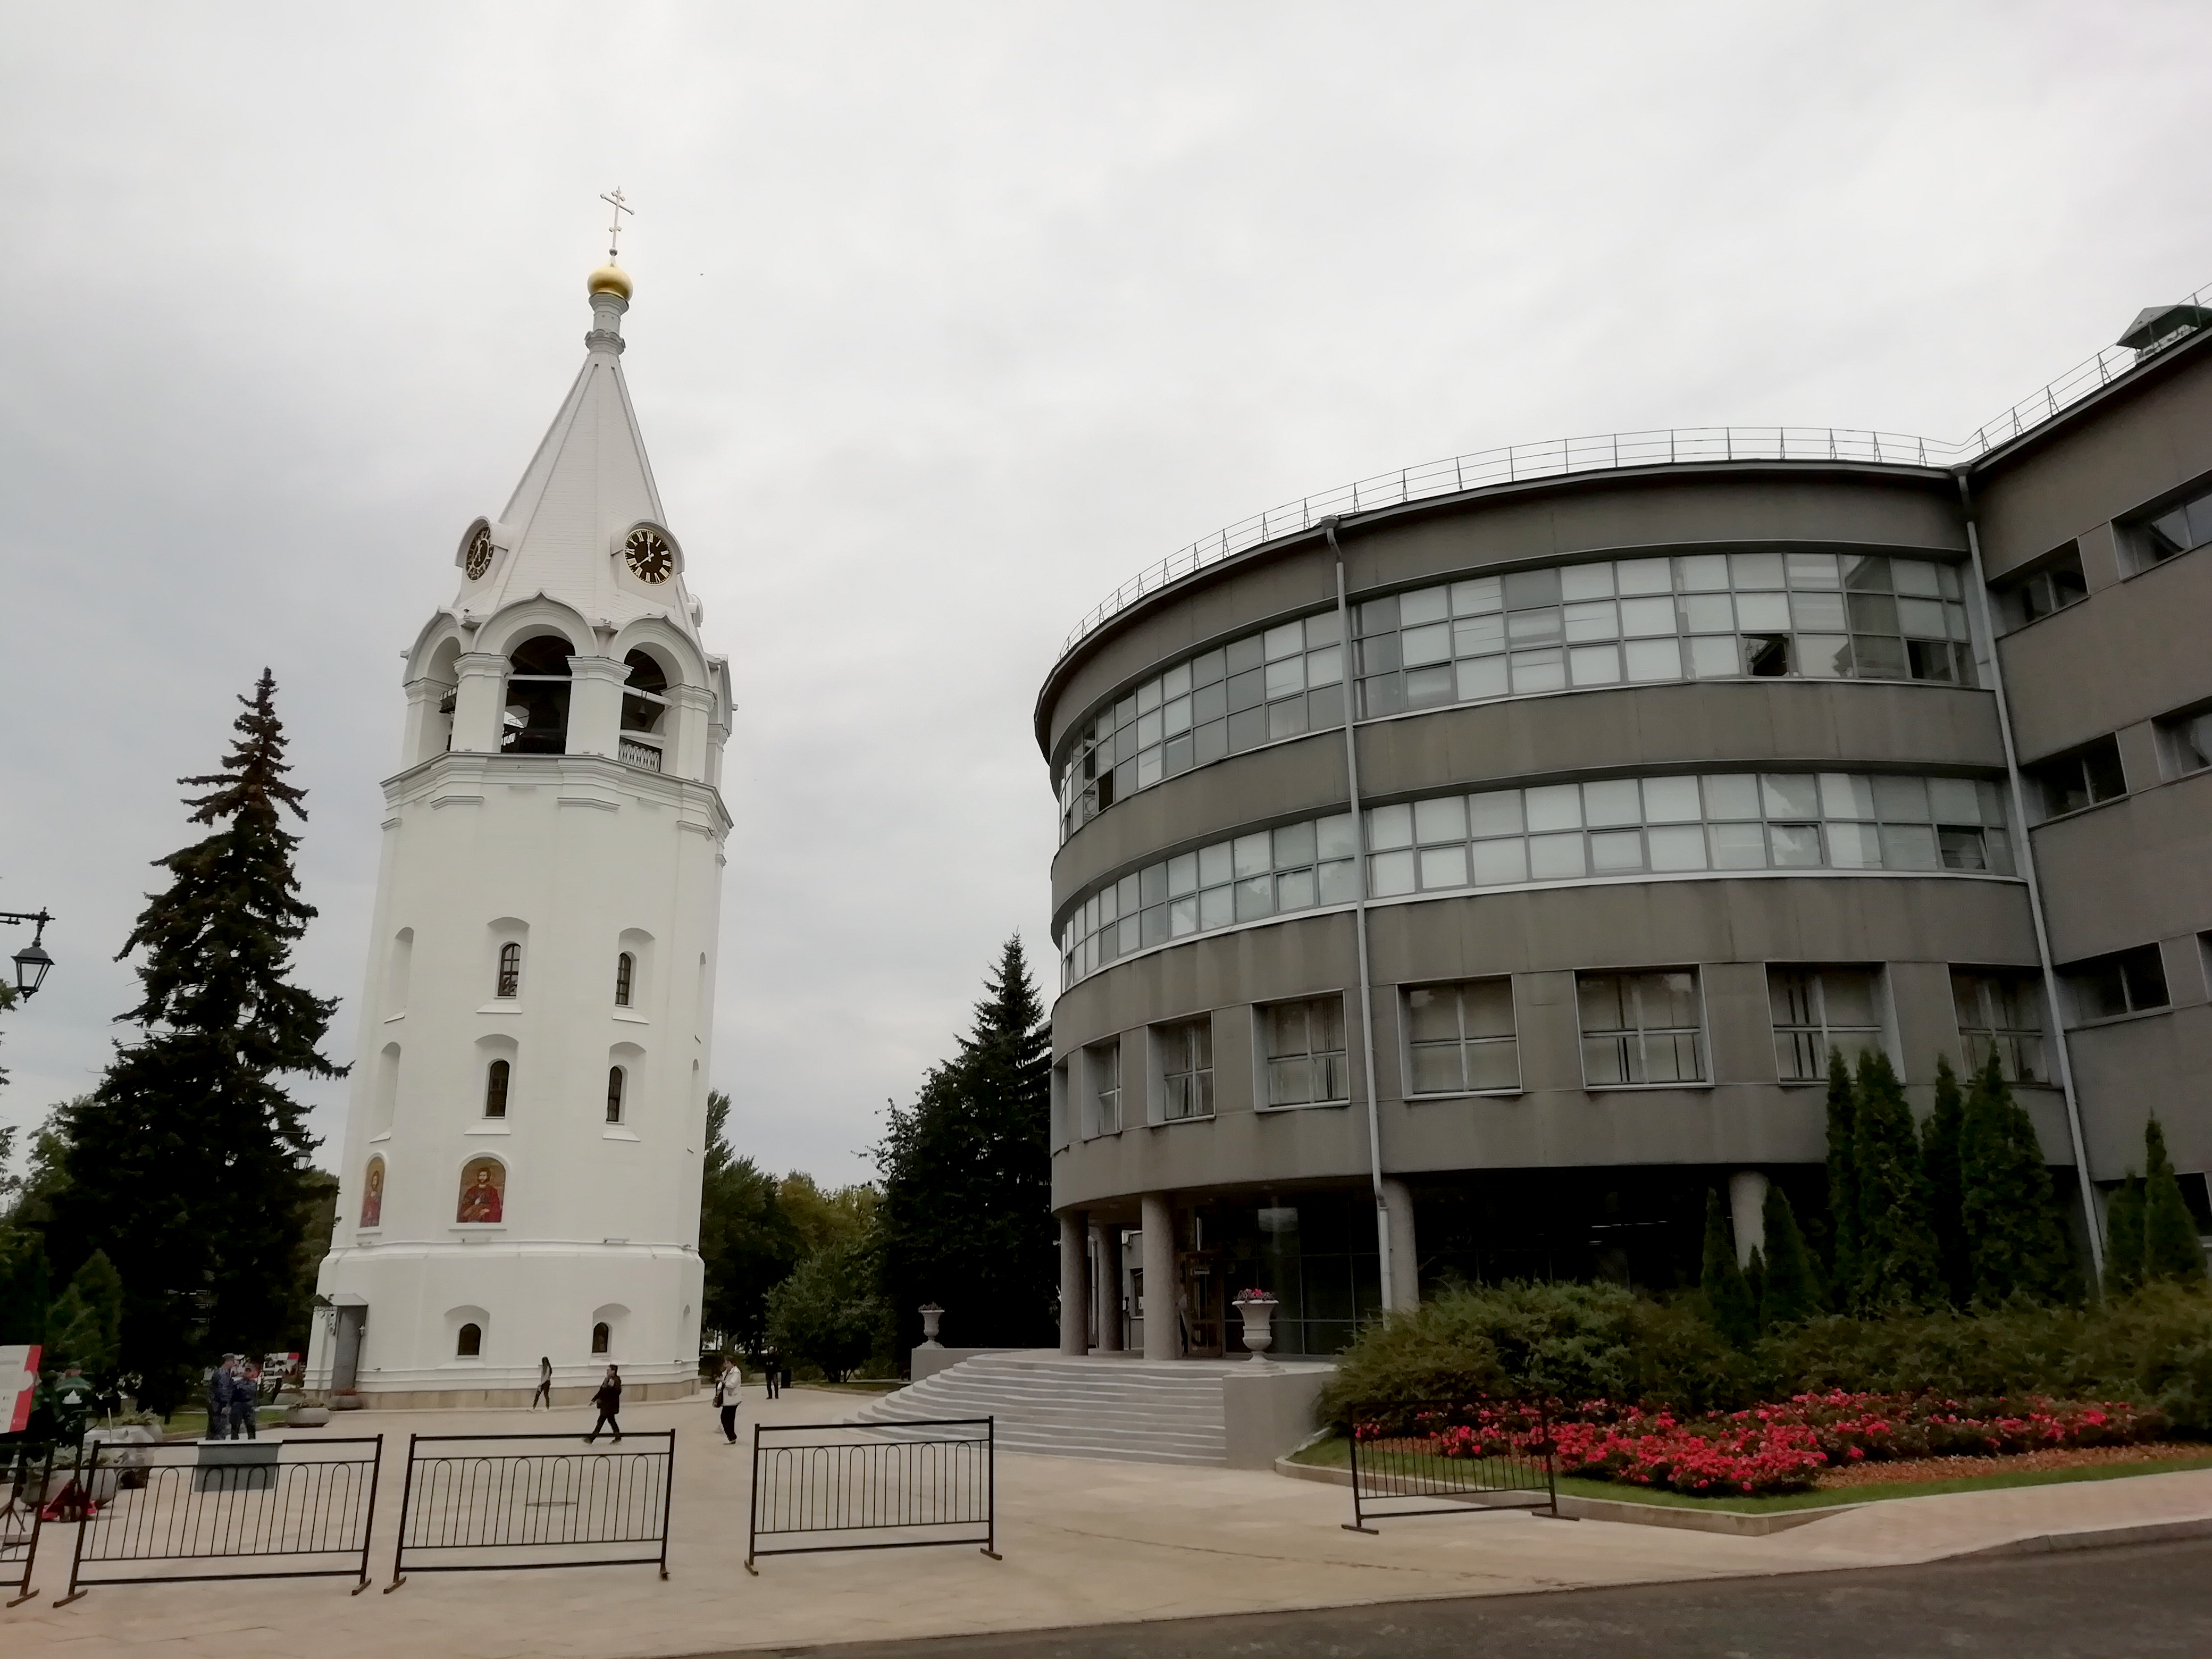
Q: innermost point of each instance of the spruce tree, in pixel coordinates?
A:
(1792, 1291)
(1842, 1182)
(1939, 1158)
(2171, 1250)
(186, 1165)
(2123, 1238)
(1728, 1297)
(2014, 1237)
(84, 1325)
(1897, 1263)
(966, 1216)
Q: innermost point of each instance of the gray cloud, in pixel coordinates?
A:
(948, 318)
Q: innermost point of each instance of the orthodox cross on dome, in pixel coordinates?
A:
(614, 199)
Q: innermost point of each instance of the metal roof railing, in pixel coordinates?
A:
(1607, 452)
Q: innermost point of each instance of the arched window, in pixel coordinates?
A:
(644, 713)
(625, 972)
(469, 1345)
(601, 1337)
(614, 1094)
(495, 1089)
(510, 969)
(537, 717)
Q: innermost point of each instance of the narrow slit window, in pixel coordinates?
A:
(614, 1094)
(510, 969)
(602, 1338)
(625, 973)
(495, 1077)
(469, 1345)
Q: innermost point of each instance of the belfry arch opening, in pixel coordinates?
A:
(536, 719)
(644, 713)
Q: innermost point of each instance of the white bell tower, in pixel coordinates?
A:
(524, 1142)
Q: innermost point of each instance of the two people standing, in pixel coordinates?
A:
(232, 1400)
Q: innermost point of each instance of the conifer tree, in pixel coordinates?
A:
(966, 1215)
(1939, 1158)
(1897, 1265)
(1842, 1182)
(84, 1327)
(1728, 1297)
(2171, 1250)
(2123, 1238)
(1792, 1291)
(2013, 1235)
(186, 1166)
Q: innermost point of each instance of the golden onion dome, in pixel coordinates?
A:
(609, 279)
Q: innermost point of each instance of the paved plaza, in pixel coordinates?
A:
(1085, 1543)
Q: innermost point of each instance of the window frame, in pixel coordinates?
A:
(625, 977)
(2142, 539)
(2078, 758)
(507, 979)
(2003, 1037)
(1406, 1045)
(2011, 591)
(1205, 1078)
(1703, 1029)
(1094, 1114)
(1885, 1020)
(2166, 728)
(2075, 976)
(498, 1084)
(464, 1347)
(1263, 1025)
(617, 1096)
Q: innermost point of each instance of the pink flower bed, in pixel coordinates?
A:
(1768, 1448)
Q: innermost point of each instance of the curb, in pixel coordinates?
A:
(2094, 1538)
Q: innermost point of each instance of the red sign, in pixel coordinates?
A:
(19, 1381)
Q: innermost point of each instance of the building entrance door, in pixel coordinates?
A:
(1198, 1296)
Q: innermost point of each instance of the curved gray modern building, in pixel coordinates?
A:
(1465, 883)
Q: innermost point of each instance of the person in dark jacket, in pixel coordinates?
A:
(609, 1401)
(772, 1372)
(221, 1390)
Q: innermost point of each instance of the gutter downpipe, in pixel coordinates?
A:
(1359, 924)
(2034, 894)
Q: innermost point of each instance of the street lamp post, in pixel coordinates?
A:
(32, 961)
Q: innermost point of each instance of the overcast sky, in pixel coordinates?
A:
(948, 319)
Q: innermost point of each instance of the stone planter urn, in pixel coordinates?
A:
(931, 1313)
(1258, 1309)
(304, 1415)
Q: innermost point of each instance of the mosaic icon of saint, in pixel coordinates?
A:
(482, 1199)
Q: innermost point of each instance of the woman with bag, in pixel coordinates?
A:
(728, 1389)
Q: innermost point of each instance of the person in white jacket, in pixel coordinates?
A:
(727, 1388)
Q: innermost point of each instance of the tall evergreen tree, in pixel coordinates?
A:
(85, 1324)
(747, 1244)
(188, 1166)
(1842, 1182)
(1939, 1159)
(2171, 1250)
(2013, 1235)
(1897, 1265)
(2123, 1238)
(1728, 1296)
(1792, 1291)
(966, 1215)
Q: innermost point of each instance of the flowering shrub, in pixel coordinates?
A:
(1769, 1449)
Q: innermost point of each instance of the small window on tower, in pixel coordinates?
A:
(471, 1343)
(601, 1337)
(495, 1089)
(614, 1094)
(625, 970)
(510, 969)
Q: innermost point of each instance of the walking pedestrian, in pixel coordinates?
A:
(544, 1384)
(772, 1370)
(727, 1387)
(609, 1401)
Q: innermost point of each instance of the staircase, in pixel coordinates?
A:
(1122, 1410)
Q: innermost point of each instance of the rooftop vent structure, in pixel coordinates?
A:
(2160, 327)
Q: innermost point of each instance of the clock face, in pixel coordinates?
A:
(479, 556)
(650, 559)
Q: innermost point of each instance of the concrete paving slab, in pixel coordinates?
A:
(1084, 1543)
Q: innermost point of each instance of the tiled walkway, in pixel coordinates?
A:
(1083, 1543)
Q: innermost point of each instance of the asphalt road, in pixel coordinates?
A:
(2129, 1603)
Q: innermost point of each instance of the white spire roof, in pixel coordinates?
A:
(587, 487)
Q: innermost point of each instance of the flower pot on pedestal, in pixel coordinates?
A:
(931, 1313)
(1258, 1309)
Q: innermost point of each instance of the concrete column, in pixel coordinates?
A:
(1747, 1209)
(1162, 1340)
(1405, 1258)
(595, 705)
(426, 726)
(1074, 1282)
(1106, 1286)
(692, 712)
(478, 704)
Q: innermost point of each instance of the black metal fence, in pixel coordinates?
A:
(26, 1474)
(165, 1513)
(1445, 1460)
(874, 1487)
(474, 1502)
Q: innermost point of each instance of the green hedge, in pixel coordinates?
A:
(1599, 1341)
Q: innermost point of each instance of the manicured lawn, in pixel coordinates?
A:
(1334, 1454)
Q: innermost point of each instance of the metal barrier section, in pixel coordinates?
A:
(500, 1502)
(219, 1509)
(1444, 1460)
(880, 1486)
(26, 1474)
